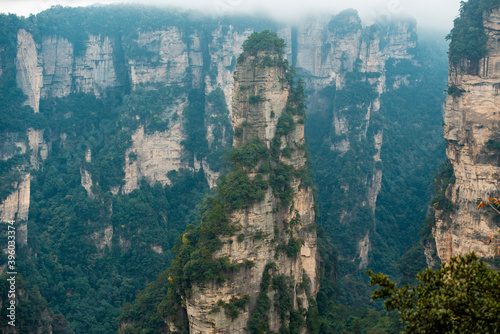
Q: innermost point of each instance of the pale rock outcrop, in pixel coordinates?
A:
(16, 208)
(270, 95)
(10, 145)
(29, 73)
(86, 181)
(471, 121)
(264, 219)
(94, 72)
(364, 246)
(152, 156)
(210, 175)
(103, 238)
(38, 147)
(225, 47)
(16, 205)
(57, 57)
(160, 57)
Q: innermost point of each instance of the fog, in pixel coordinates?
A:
(436, 14)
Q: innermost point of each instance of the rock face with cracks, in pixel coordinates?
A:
(272, 238)
(471, 129)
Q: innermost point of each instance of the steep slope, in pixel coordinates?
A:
(257, 235)
(471, 127)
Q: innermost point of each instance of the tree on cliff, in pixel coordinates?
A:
(468, 38)
(462, 297)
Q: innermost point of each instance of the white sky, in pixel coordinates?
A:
(429, 13)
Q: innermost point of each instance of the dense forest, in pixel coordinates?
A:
(89, 281)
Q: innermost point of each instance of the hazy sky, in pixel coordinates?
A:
(433, 13)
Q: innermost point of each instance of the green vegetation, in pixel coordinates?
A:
(10, 175)
(195, 263)
(468, 38)
(255, 99)
(454, 91)
(235, 305)
(15, 116)
(250, 154)
(217, 118)
(345, 22)
(410, 118)
(150, 106)
(493, 145)
(443, 179)
(62, 216)
(462, 297)
(264, 41)
(259, 319)
(293, 247)
(32, 311)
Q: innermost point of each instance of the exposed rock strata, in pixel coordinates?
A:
(264, 218)
(471, 121)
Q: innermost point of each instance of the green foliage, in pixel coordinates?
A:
(16, 117)
(443, 179)
(150, 105)
(217, 118)
(194, 126)
(493, 145)
(89, 123)
(61, 216)
(259, 319)
(345, 22)
(250, 153)
(10, 174)
(468, 38)
(255, 99)
(238, 132)
(402, 68)
(279, 180)
(239, 192)
(234, 306)
(32, 311)
(462, 297)
(411, 118)
(454, 91)
(356, 93)
(293, 247)
(412, 262)
(285, 125)
(264, 41)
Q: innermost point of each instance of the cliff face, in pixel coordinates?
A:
(267, 228)
(471, 126)
(323, 51)
(341, 56)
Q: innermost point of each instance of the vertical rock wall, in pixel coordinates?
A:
(471, 129)
(265, 219)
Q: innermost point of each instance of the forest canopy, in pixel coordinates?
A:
(264, 41)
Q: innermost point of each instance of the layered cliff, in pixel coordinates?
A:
(471, 127)
(253, 263)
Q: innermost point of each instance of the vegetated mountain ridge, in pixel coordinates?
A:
(133, 96)
(105, 64)
(471, 127)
